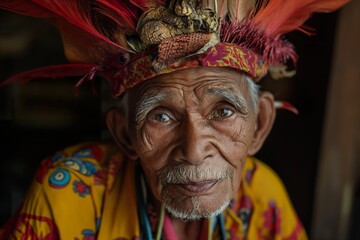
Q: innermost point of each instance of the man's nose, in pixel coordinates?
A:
(196, 142)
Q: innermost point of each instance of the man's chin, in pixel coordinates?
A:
(194, 211)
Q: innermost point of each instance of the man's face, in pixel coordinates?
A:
(191, 131)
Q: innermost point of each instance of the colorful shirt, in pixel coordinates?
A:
(88, 192)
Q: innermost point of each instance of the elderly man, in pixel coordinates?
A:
(190, 117)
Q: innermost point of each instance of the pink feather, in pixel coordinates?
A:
(52, 72)
(26, 8)
(277, 17)
(146, 4)
(76, 12)
(119, 11)
(272, 50)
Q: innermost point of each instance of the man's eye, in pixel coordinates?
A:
(223, 113)
(162, 117)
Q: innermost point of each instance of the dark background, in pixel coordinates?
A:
(44, 116)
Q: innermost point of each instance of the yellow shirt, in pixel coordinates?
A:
(88, 192)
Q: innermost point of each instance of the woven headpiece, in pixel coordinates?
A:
(129, 41)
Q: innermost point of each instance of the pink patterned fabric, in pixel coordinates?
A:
(143, 66)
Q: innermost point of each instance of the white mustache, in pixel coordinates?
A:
(189, 173)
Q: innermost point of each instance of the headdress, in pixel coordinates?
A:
(129, 41)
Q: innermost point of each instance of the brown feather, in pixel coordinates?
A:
(234, 10)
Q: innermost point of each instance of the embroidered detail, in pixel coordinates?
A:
(80, 188)
(60, 178)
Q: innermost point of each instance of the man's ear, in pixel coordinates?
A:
(265, 120)
(117, 125)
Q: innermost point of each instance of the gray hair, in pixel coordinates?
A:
(254, 91)
(253, 88)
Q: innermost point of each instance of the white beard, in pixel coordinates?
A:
(194, 213)
(183, 174)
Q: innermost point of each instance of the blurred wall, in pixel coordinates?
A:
(337, 206)
(41, 117)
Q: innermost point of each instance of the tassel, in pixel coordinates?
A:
(272, 50)
(286, 106)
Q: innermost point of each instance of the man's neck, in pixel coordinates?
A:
(184, 230)
(188, 230)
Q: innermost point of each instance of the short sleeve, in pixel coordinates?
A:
(64, 200)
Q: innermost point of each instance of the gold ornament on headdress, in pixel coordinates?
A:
(179, 29)
(177, 18)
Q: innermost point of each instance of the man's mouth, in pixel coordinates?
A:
(198, 187)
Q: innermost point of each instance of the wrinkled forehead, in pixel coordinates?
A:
(198, 80)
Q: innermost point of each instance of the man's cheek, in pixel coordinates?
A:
(145, 142)
(234, 153)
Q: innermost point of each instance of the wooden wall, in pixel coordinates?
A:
(338, 172)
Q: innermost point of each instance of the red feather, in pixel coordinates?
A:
(120, 12)
(146, 4)
(52, 72)
(25, 7)
(277, 17)
(76, 12)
